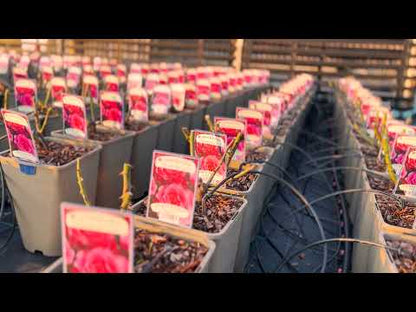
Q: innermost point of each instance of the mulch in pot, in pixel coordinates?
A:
(219, 210)
(405, 255)
(163, 253)
(257, 156)
(102, 136)
(241, 184)
(395, 215)
(135, 126)
(58, 154)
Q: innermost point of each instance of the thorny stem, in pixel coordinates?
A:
(126, 192)
(81, 184)
(209, 123)
(5, 99)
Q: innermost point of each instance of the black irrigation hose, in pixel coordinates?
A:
(321, 138)
(322, 170)
(272, 165)
(306, 203)
(345, 219)
(334, 157)
(302, 151)
(332, 240)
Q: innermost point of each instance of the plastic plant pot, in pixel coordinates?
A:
(226, 240)
(114, 154)
(384, 262)
(197, 117)
(366, 224)
(180, 145)
(216, 108)
(231, 104)
(37, 197)
(141, 159)
(165, 133)
(155, 226)
(55, 122)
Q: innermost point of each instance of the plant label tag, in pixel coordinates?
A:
(58, 89)
(112, 110)
(138, 106)
(178, 96)
(161, 100)
(74, 116)
(255, 120)
(210, 148)
(25, 95)
(90, 88)
(73, 77)
(111, 83)
(203, 89)
(407, 179)
(134, 80)
(191, 99)
(401, 144)
(21, 142)
(231, 128)
(173, 188)
(96, 240)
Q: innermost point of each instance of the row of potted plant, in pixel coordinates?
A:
(382, 208)
(223, 212)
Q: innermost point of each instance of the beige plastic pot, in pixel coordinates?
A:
(114, 154)
(383, 262)
(37, 197)
(226, 240)
(155, 226)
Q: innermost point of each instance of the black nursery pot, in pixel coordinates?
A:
(141, 159)
(197, 117)
(216, 108)
(165, 132)
(180, 145)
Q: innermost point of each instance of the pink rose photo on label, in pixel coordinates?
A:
(152, 80)
(210, 149)
(73, 77)
(105, 71)
(111, 107)
(231, 128)
(111, 83)
(47, 75)
(254, 120)
(74, 116)
(161, 100)
(407, 178)
(203, 90)
(138, 106)
(57, 93)
(265, 108)
(191, 100)
(400, 147)
(96, 240)
(173, 186)
(25, 94)
(19, 134)
(399, 129)
(178, 96)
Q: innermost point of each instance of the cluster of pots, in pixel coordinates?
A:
(375, 217)
(38, 193)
